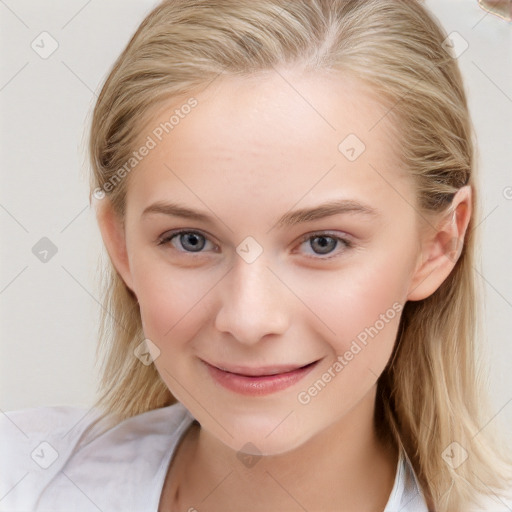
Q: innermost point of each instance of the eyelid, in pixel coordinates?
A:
(329, 233)
(344, 238)
(167, 235)
(165, 239)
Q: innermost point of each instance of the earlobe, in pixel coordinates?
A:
(113, 235)
(441, 249)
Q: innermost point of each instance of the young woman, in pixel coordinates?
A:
(286, 191)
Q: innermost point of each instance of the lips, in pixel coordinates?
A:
(261, 371)
(258, 381)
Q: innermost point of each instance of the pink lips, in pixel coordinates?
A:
(258, 381)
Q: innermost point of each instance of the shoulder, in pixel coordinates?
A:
(32, 441)
(408, 488)
(82, 425)
(63, 456)
(38, 419)
(22, 432)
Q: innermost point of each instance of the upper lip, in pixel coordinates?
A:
(260, 370)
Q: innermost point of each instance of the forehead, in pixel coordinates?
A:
(282, 131)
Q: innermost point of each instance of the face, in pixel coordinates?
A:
(272, 325)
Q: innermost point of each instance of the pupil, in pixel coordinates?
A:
(193, 240)
(325, 242)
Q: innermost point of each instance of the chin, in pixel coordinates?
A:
(261, 435)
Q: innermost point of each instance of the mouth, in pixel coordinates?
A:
(259, 380)
(265, 371)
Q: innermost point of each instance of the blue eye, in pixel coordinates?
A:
(324, 243)
(188, 241)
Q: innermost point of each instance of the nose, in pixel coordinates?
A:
(253, 302)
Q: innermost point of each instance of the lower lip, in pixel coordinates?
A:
(258, 386)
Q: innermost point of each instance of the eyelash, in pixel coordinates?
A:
(166, 238)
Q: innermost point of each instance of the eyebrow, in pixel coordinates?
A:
(289, 219)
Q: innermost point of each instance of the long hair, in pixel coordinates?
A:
(432, 396)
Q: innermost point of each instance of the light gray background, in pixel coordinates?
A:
(49, 311)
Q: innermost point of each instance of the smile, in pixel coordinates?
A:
(258, 381)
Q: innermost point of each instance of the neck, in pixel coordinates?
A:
(344, 468)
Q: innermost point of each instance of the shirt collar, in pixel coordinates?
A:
(406, 495)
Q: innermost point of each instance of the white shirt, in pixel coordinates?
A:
(57, 459)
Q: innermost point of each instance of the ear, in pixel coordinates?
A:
(113, 233)
(441, 247)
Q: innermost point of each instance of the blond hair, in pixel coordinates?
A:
(433, 391)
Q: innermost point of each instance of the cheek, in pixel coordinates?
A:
(362, 308)
(172, 300)
(361, 303)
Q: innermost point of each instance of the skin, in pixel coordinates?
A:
(252, 150)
